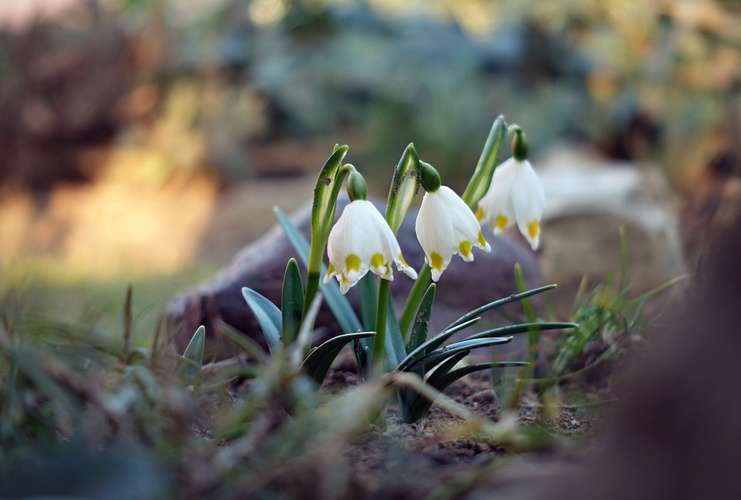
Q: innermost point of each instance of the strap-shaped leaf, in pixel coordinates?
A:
(268, 316)
(427, 362)
(522, 328)
(395, 350)
(337, 302)
(422, 320)
(434, 343)
(368, 292)
(444, 367)
(292, 302)
(498, 303)
(252, 348)
(421, 406)
(194, 352)
(317, 363)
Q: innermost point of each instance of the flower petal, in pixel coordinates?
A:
(435, 234)
(465, 225)
(360, 241)
(496, 206)
(528, 199)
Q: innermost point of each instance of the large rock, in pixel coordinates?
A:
(261, 264)
(588, 199)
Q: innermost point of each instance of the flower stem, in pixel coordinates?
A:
(379, 343)
(313, 275)
(415, 297)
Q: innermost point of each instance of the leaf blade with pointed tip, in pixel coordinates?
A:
(337, 302)
(268, 316)
(421, 406)
(422, 320)
(292, 303)
(194, 352)
(317, 363)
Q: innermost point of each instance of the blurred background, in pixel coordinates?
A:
(146, 141)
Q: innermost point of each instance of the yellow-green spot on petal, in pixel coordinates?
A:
(500, 222)
(533, 229)
(330, 269)
(377, 260)
(479, 214)
(352, 262)
(400, 258)
(436, 261)
(465, 248)
(480, 239)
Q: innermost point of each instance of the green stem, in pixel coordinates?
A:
(412, 303)
(379, 342)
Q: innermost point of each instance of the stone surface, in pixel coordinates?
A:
(261, 264)
(588, 199)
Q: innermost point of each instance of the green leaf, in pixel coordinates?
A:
(268, 316)
(337, 302)
(317, 363)
(395, 350)
(421, 406)
(481, 178)
(498, 303)
(444, 367)
(194, 352)
(368, 300)
(404, 186)
(436, 341)
(249, 346)
(422, 321)
(292, 303)
(427, 362)
(322, 217)
(323, 208)
(408, 396)
(127, 319)
(522, 328)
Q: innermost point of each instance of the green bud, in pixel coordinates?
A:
(356, 186)
(428, 177)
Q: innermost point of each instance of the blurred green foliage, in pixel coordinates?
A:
(640, 80)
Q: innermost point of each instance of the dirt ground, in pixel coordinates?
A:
(431, 458)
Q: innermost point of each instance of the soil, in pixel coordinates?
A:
(431, 459)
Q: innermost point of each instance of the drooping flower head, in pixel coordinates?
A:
(445, 225)
(515, 195)
(360, 241)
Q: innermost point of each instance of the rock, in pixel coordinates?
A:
(675, 433)
(588, 199)
(261, 264)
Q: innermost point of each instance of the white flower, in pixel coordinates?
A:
(361, 241)
(446, 226)
(515, 195)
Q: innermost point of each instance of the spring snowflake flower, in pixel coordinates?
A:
(360, 241)
(515, 195)
(446, 226)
